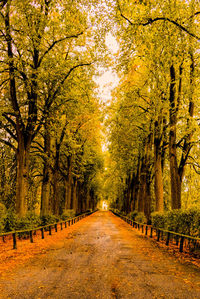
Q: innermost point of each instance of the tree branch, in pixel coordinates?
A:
(3, 3)
(63, 133)
(151, 21)
(56, 42)
(63, 81)
(9, 120)
(8, 143)
(3, 82)
(40, 146)
(50, 99)
(10, 132)
(194, 15)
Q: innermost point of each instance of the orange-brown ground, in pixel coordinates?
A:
(99, 257)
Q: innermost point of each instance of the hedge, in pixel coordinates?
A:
(181, 221)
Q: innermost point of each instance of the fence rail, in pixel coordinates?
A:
(30, 232)
(180, 240)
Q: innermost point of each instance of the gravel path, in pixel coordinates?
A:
(103, 258)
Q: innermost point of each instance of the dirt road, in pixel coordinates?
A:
(103, 257)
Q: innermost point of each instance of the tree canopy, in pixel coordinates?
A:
(53, 123)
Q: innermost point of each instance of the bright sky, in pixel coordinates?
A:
(109, 79)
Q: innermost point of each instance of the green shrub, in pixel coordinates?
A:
(3, 215)
(195, 229)
(117, 211)
(123, 213)
(159, 220)
(140, 218)
(10, 221)
(68, 214)
(27, 222)
(173, 220)
(185, 222)
(132, 215)
(48, 219)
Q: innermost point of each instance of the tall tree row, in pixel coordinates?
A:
(154, 124)
(48, 105)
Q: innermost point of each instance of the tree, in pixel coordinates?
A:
(49, 28)
(143, 29)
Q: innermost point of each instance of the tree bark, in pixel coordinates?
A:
(56, 198)
(158, 186)
(74, 195)
(24, 134)
(22, 157)
(45, 194)
(142, 187)
(187, 140)
(174, 175)
(68, 184)
(144, 203)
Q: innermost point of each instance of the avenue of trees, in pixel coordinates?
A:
(153, 120)
(51, 158)
(50, 139)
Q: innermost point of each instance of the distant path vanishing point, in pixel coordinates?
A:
(103, 257)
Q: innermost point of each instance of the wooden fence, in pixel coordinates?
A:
(180, 240)
(46, 228)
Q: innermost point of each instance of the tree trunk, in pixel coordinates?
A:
(144, 204)
(174, 175)
(45, 195)
(56, 199)
(158, 184)
(128, 194)
(147, 202)
(22, 179)
(74, 195)
(158, 167)
(142, 187)
(68, 185)
(132, 195)
(24, 130)
(187, 140)
(136, 187)
(87, 200)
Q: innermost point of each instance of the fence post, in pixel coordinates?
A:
(168, 238)
(181, 244)
(61, 227)
(42, 232)
(31, 236)
(146, 232)
(14, 241)
(49, 229)
(65, 224)
(158, 235)
(142, 228)
(56, 228)
(151, 234)
(177, 240)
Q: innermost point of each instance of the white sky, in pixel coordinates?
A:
(109, 79)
